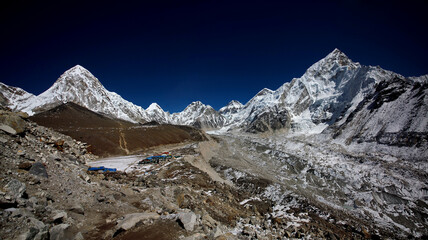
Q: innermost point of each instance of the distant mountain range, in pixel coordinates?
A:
(335, 95)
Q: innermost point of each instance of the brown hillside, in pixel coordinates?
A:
(109, 136)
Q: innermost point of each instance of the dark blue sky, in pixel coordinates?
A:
(176, 52)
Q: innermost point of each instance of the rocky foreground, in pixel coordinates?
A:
(46, 193)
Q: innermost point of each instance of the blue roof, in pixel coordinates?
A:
(95, 168)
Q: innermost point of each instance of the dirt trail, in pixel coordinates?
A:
(122, 140)
(208, 150)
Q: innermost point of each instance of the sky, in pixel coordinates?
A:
(177, 52)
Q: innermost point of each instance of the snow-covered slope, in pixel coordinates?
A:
(79, 86)
(199, 115)
(13, 97)
(395, 113)
(155, 113)
(314, 101)
(232, 107)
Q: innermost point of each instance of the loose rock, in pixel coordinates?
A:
(13, 121)
(188, 220)
(130, 220)
(16, 188)
(77, 208)
(39, 169)
(25, 165)
(58, 232)
(59, 217)
(8, 129)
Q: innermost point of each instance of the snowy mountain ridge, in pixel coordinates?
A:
(14, 96)
(79, 86)
(314, 101)
(199, 115)
(328, 92)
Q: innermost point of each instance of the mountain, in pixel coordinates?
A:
(155, 113)
(79, 86)
(13, 97)
(199, 115)
(394, 113)
(331, 87)
(322, 99)
(232, 107)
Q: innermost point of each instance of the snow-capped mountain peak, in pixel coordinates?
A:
(154, 107)
(196, 107)
(338, 55)
(80, 77)
(231, 106)
(79, 86)
(155, 113)
(329, 90)
(199, 115)
(332, 62)
(264, 91)
(76, 70)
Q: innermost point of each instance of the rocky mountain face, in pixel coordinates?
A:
(231, 108)
(13, 97)
(314, 101)
(199, 115)
(394, 113)
(342, 97)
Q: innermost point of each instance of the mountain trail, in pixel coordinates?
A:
(208, 150)
(122, 140)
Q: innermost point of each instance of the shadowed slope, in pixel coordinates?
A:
(109, 136)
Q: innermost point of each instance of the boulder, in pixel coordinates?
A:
(13, 121)
(77, 208)
(7, 129)
(42, 235)
(16, 188)
(188, 220)
(59, 217)
(3, 140)
(30, 234)
(37, 231)
(39, 169)
(130, 220)
(25, 165)
(58, 232)
(36, 223)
